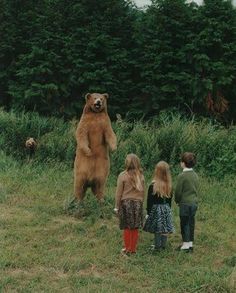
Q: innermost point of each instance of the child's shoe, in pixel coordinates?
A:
(184, 247)
(154, 248)
(124, 252)
(190, 246)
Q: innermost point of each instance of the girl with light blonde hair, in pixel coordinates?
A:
(162, 183)
(159, 217)
(129, 202)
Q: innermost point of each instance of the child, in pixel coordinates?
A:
(129, 202)
(159, 217)
(186, 193)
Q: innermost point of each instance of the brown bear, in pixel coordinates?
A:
(94, 136)
(30, 146)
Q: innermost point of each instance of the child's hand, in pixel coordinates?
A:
(146, 217)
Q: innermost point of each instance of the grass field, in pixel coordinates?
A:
(44, 249)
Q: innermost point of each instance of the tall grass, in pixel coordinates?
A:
(168, 136)
(55, 137)
(163, 138)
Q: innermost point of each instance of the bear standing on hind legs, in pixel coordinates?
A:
(94, 136)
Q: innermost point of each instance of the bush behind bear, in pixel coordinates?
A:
(162, 138)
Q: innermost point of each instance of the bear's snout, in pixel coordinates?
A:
(98, 104)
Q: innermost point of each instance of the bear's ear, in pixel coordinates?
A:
(87, 96)
(106, 95)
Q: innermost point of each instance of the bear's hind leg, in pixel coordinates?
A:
(80, 189)
(98, 189)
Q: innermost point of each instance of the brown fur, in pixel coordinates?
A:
(30, 146)
(30, 143)
(94, 136)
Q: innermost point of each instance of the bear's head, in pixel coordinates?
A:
(96, 102)
(30, 143)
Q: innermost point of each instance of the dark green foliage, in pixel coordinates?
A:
(173, 55)
(67, 49)
(167, 34)
(215, 54)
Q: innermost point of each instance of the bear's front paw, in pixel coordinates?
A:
(113, 147)
(88, 153)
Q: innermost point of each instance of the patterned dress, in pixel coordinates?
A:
(129, 202)
(131, 214)
(159, 214)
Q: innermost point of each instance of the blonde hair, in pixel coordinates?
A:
(162, 180)
(134, 169)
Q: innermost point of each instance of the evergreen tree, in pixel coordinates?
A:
(38, 73)
(175, 54)
(99, 45)
(215, 58)
(77, 46)
(166, 72)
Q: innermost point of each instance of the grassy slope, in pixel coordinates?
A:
(45, 250)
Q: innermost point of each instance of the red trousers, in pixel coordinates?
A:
(130, 237)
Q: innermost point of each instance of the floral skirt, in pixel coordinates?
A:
(159, 220)
(131, 214)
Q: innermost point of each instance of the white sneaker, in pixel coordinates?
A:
(185, 246)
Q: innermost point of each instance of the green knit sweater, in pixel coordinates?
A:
(186, 191)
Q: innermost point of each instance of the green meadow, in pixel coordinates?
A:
(47, 247)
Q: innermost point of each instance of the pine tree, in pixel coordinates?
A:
(166, 45)
(215, 58)
(73, 47)
(99, 46)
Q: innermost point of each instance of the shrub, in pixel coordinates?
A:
(54, 136)
(163, 138)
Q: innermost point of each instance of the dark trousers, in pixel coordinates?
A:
(160, 240)
(187, 221)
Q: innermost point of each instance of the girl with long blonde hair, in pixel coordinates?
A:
(159, 217)
(129, 202)
(162, 183)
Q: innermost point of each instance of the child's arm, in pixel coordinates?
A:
(170, 199)
(178, 189)
(119, 191)
(150, 199)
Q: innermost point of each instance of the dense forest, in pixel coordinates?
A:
(173, 55)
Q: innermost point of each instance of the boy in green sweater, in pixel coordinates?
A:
(186, 194)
